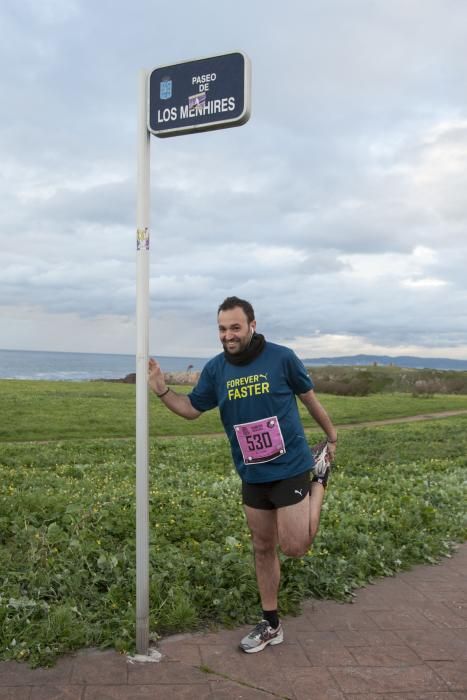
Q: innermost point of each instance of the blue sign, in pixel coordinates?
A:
(200, 95)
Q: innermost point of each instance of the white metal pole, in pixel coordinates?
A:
(142, 352)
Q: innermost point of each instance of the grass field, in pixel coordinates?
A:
(67, 513)
(37, 410)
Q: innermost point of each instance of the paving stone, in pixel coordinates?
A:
(327, 654)
(365, 638)
(185, 652)
(147, 692)
(319, 637)
(401, 619)
(314, 684)
(406, 696)
(361, 679)
(228, 637)
(15, 693)
(93, 667)
(164, 672)
(234, 691)
(388, 593)
(458, 607)
(46, 692)
(442, 616)
(340, 617)
(436, 573)
(453, 672)
(289, 655)
(435, 645)
(294, 628)
(259, 670)
(386, 656)
(13, 673)
(442, 592)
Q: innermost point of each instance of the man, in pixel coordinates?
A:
(255, 383)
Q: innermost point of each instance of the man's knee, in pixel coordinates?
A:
(294, 548)
(264, 547)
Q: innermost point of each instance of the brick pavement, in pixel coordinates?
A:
(404, 638)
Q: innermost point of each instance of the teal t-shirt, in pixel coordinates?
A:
(256, 394)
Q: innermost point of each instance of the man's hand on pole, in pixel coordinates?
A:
(156, 377)
(175, 402)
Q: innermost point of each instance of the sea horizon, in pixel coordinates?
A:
(60, 365)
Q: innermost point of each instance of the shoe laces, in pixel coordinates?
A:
(260, 628)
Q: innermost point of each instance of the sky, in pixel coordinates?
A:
(339, 210)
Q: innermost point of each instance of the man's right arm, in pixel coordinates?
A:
(177, 403)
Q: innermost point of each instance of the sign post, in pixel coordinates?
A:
(142, 357)
(199, 95)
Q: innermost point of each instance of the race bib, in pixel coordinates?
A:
(260, 441)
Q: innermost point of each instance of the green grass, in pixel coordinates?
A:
(36, 410)
(67, 536)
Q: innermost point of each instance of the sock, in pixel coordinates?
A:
(272, 617)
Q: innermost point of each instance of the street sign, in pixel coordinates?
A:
(208, 93)
(200, 95)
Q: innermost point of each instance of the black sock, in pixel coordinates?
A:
(272, 617)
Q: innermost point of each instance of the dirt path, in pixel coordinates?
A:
(350, 426)
(403, 419)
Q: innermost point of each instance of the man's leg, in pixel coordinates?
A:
(316, 502)
(263, 528)
(298, 524)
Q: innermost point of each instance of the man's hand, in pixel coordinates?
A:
(156, 378)
(177, 403)
(317, 412)
(332, 446)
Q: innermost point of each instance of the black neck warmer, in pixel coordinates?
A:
(250, 353)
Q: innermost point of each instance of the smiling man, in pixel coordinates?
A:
(254, 383)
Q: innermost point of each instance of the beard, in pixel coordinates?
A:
(237, 346)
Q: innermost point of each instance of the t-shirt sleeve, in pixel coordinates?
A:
(297, 377)
(204, 395)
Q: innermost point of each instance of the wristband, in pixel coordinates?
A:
(163, 393)
(331, 442)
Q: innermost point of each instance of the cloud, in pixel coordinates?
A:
(339, 209)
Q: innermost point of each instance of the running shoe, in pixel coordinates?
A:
(322, 467)
(260, 636)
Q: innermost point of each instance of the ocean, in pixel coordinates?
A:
(81, 366)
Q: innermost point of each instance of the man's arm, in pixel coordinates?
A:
(318, 413)
(177, 403)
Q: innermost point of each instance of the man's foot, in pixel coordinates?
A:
(260, 636)
(322, 467)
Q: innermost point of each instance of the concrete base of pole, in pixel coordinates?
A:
(152, 657)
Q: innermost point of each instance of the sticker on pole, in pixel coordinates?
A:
(200, 95)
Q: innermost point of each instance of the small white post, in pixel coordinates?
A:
(142, 356)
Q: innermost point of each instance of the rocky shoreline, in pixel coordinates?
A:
(188, 378)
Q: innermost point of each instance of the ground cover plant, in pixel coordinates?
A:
(67, 537)
(41, 410)
(374, 379)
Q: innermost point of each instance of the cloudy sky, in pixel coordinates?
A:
(339, 210)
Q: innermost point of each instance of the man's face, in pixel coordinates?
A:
(234, 330)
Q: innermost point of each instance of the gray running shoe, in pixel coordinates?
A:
(260, 636)
(322, 467)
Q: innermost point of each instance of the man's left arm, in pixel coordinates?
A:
(318, 413)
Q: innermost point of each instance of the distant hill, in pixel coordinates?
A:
(442, 363)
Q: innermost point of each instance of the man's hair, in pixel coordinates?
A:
(233, 302)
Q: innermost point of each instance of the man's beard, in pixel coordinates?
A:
(239, 346)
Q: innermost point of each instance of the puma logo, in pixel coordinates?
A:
(299, 491)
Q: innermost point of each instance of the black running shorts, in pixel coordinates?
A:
(276, 494)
